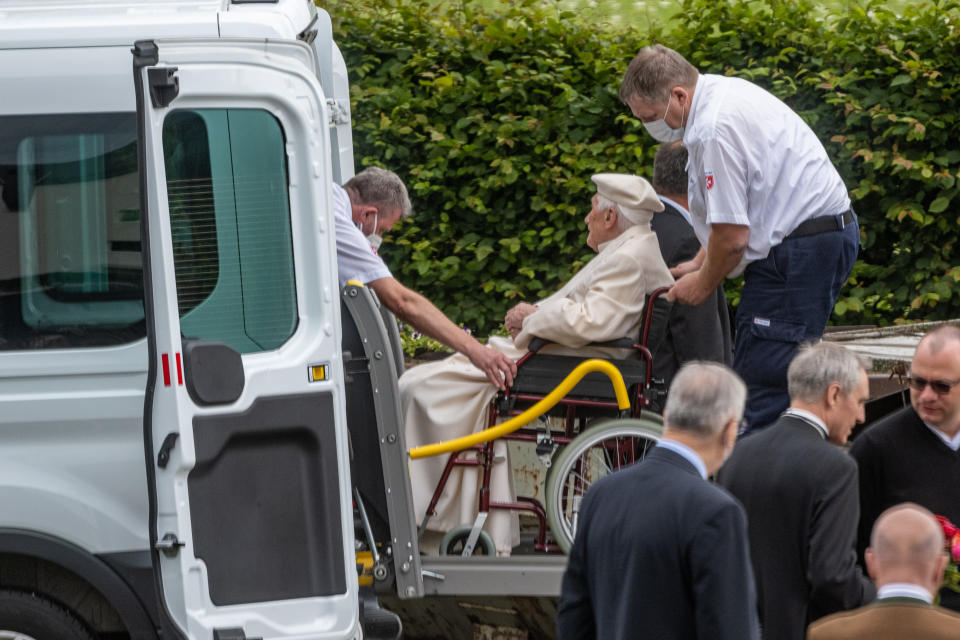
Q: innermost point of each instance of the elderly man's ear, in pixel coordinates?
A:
(609, 219)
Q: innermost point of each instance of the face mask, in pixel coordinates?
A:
(374, 238)
(661, 131)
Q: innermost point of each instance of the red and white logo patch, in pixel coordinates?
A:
(709, 179)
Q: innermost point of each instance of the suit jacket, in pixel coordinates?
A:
(800, 494)
(659, 553)
(889, 619)
(604, 300)
(700, 332)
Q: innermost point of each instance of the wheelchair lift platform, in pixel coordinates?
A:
(518, 575)
(387, 535)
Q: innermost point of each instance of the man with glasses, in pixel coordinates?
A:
(913, 455)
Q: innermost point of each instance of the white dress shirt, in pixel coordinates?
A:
(904, 590)
(686, 452)
(356, 259)
(953, 443)
(753, 161)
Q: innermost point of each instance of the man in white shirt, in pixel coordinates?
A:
(369, 204)
(906, 559)
(799, 488)
(765, 201)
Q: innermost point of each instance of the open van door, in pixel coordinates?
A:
(244, 420)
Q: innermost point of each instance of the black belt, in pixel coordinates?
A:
(822, 224)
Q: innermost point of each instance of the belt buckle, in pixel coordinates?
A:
(842, 223)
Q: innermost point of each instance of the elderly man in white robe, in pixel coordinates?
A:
(603, 301)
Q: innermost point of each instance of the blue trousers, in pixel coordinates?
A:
(787, 299)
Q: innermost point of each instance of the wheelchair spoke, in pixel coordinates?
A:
(593, 455)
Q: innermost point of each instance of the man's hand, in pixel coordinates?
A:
(513, 321)
(689, 290)
(684, 268)
(497, 367)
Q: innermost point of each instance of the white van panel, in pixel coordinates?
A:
(71, 445)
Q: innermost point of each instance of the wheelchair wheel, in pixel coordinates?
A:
(456, 538)
(601, 449)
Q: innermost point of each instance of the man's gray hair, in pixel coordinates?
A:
(379, 188)
(818, 365)
(623, 222)
(670, 169)
(703, 398)
(654, 72)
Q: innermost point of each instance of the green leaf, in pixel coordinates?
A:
(902, 79)
(939, 205)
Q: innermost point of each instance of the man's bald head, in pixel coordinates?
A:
(935, 341)
(907, 546)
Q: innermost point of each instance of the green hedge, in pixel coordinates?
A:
(497, 120)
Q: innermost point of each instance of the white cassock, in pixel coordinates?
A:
(449, 399)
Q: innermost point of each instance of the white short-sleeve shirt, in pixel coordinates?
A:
(753, 161)
(356, 259)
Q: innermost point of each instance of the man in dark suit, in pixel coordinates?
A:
(906, 559)
(914, 454)
(694, 332)
(799, 489)
(660, 552)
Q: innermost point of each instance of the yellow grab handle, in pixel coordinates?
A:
(544, 405)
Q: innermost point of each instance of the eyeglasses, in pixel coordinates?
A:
(939, 387)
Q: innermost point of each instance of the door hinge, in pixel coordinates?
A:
(339, 114)
(164, 85)
(169, 544)
(231, 633)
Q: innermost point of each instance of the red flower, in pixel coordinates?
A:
(949, 529)
(952, 534)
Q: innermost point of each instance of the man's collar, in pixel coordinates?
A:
(953, 443)
(686, 453)
(694, 105)
(810, 419)
(679, 208)
(904, 590)
(620, 239)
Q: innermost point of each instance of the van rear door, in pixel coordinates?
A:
(244, 420)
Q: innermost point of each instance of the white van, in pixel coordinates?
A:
(183, 386)
(191, 306)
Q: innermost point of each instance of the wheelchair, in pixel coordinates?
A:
(597, 437)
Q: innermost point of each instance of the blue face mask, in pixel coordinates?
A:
(661, 131)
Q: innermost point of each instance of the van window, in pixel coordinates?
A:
(230, 220)
(70, 261)
(70, 272)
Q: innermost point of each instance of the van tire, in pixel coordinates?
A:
(33, 616)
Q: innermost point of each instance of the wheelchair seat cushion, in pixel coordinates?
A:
(543, 372)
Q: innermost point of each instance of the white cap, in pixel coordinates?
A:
(634, 195)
